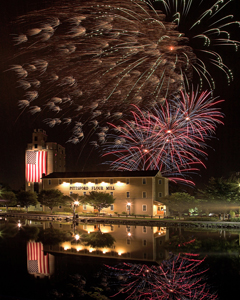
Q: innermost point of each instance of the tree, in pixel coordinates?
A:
(179, 202)
(52, 198)
(220, 193)
(8, 197)
(98, 239)
(98, 200)
(27, 198)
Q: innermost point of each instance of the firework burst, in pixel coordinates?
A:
(97, 58)
(170, 138)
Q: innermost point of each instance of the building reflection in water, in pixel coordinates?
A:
(143, 243)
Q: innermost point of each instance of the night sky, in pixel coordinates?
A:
(16, 130)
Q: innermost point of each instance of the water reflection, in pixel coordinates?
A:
(72, 254)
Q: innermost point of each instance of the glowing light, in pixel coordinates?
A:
(77, 237)
(90, 183)
(129, 234)
(65, 183)
(78, 184)
(119, 183)
(104, 183)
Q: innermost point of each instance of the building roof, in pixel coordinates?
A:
(103, 174)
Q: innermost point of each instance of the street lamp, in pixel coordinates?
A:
(129, 207)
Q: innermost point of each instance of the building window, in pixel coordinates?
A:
(144, 194)
(128, 228)
(159, 194)
(71, 182)
(60, 181)
(111, 193)
(84, 193)
(144, 229)
(111, 207)
(159, 181)
(59, 206)
(145, 255)
(84, 207)
(111, 181)
(144, 243)
(127, 181)
(128, 194)
(49, 181)
(144, 207)
(128, 242)
(29, 184)
(96, 181)
(84, 181)
(35, 146)
(144, 181)
(71, 193)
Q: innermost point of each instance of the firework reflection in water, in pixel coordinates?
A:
(179, 277)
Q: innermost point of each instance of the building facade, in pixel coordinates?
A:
(135, 192)
(42, 157)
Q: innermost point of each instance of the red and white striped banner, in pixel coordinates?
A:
(36, 165)
(37, 262)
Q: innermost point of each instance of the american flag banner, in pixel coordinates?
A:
(37, 262)
(36, 165)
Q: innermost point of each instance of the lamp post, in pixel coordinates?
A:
(129, 207)
(75, 204)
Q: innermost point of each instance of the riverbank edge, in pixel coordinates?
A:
(154, 221)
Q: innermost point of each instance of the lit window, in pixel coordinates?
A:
(128, 194)
(144, 181)
(144, 195)
(144, 207)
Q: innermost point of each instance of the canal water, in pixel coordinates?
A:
(62, 260)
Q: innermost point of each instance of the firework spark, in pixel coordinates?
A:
(171, 138)
(100, 57)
